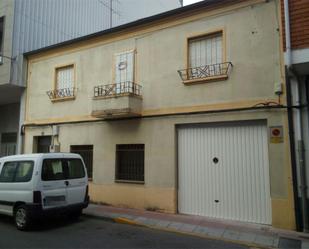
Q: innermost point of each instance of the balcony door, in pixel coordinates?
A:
(124, 72)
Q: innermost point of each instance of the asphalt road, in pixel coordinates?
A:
(94, 233)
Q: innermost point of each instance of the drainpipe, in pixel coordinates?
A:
(300, 142)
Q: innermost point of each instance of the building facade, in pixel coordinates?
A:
(178, 112)
(295, 25)
(29, 25)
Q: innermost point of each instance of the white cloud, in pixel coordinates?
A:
(187, 2)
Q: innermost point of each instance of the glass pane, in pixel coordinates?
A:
(65, 77)
(205, 50)
(75, 168)
(24, 172)
(8, 172)
(52, 170)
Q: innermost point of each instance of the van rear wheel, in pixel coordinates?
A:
(22, 218)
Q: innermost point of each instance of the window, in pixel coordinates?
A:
(86, 152)
(17, 171)
(124, 67)
(64, 83)
(52, 170)
(61, 169)
(8, 144)
(205, 50)
(1, 38)
(206, 59)
(65, 77)
(8, 172)
(42, 144)
(24, 172)
(75, 169)
(130, 162)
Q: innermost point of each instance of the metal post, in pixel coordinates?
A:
(111, 13)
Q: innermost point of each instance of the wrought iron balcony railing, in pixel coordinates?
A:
(204, 72)
(61, 93)
(127, 87)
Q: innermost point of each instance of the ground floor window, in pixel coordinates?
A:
(130, 162)
(8, 144)
(86, 152)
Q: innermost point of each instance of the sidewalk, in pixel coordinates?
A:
(237, 232)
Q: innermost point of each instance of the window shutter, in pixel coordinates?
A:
(65, 77)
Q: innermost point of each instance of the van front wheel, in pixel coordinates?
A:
(22, 218)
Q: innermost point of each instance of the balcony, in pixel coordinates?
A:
(205, 73)
(62, 94)
(117, 100)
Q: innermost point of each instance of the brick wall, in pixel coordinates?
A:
(299, 23)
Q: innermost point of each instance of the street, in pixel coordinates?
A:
(95, 233)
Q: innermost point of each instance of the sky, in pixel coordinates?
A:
(186, 2)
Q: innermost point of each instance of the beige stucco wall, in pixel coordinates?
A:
(251, 45)
(159, 137)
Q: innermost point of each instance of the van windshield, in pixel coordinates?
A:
(62, 169)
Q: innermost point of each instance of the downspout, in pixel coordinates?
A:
(293, 153)
(300, 142)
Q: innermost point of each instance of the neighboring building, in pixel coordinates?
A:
(178, 112)
(29, 25)
(295, 21)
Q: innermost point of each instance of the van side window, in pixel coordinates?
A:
(17, 171)
(52, 170)
(8, 172)
(24, 172)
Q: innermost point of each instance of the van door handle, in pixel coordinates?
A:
(66, 183)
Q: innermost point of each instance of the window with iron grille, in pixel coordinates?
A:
(130, 162)
(206, 59)
(64, 84)
(65, 77)
(205, 50)
(86, 152)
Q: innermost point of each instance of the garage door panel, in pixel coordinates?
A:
(237, 186)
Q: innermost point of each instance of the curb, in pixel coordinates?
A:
(122, 220)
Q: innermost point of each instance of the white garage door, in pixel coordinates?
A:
(224, 172)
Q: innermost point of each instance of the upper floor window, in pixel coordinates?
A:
(124, 67)
(64, 83)
(206, 59)
(205, 50)
(124, 78)
(1, 38)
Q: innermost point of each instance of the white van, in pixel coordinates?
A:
(35, 185)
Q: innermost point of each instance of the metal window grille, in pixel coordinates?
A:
(206, 71)
(130, 162)
(118, 89)
(61, 93)
(86, 152)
